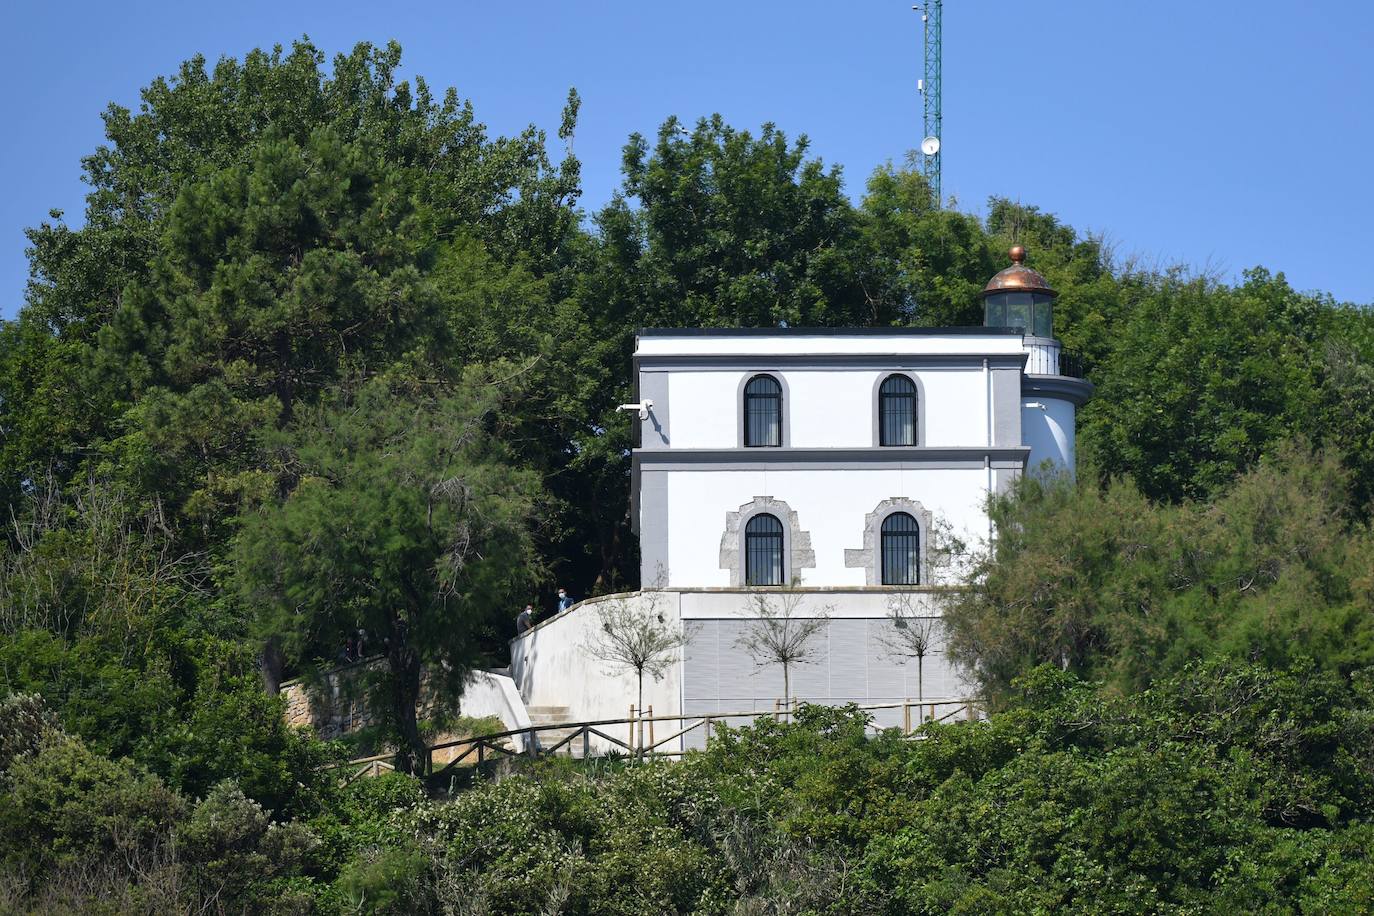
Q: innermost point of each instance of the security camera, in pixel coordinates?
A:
(643, 407)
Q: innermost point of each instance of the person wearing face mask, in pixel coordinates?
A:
(524, 621)
(565, 600)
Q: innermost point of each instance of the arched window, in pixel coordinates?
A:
(763, 412)
(897, 411)
(763, 551)
(901, 548)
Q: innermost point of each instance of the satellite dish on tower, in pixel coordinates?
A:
(930, 145)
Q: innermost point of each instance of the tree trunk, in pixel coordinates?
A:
(271, 664)
(920, 680)
(637, 739)
(786, 694)
(412, 756)
(610, 557)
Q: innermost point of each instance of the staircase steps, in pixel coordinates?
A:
(555, 715)
(547, 715)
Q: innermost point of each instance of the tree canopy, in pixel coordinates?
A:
(323, 355)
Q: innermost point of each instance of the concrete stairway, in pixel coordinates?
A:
(554, 715)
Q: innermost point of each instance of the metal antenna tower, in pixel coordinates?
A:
(932, 16)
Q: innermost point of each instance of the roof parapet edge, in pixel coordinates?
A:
(967, 330)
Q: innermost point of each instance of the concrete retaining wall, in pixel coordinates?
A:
(554, 665)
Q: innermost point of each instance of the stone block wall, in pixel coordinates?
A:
(332, 707)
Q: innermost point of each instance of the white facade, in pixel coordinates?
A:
(981, 420)
(990, 404)
(697, 519)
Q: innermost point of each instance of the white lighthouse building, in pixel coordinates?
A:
(836, 464)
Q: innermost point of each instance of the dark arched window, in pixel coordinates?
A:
(763, 551)
(763, 412)
(901, 547)
(897, 411)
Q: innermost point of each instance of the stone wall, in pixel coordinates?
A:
(333, 707)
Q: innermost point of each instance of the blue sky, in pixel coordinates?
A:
(1223, 134)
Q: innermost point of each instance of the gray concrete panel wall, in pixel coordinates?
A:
(654, 432)
(653, 530)
(853, 664)
(1006, 407)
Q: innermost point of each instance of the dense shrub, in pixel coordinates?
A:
(1120, 589)
(1228, 787)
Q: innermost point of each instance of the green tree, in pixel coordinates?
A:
(218, 215)
(408, 522)
(258, 233)
(1202, 380)
(733, 230)
(565, 426)
(1104, 582)
(925, 266)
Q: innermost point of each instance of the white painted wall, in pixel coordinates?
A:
(837, 603)
(489, 694)
(702, 409)
(826, 408)
(955, 406)
(830, 504)
(1050, 432)
(552, 666)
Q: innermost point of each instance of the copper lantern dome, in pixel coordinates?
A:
(1019, 297)
(1018, 277)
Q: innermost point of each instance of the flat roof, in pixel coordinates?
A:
(662, 345)
(829, 332)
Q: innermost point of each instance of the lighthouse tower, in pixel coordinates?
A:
(1052, 386)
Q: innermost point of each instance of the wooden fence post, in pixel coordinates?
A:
(651, 730)
(906, 716)
(631, 738)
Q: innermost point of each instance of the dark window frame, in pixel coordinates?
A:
(752, 431)
(901, 545)
(888, 397)
(764, 550)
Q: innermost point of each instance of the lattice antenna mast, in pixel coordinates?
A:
(932, 17)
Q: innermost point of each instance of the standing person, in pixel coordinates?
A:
(565, 600)
(524, 621)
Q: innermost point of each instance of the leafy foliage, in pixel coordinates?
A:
(320, 349)
(1227, 785)
(1103, 582)
(407, 522)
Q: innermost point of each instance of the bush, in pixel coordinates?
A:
(67, 804)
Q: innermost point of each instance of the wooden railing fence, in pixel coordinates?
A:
(640, 740)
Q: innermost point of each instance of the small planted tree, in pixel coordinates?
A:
(778, 635)
(914, 635)
(634, 635)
